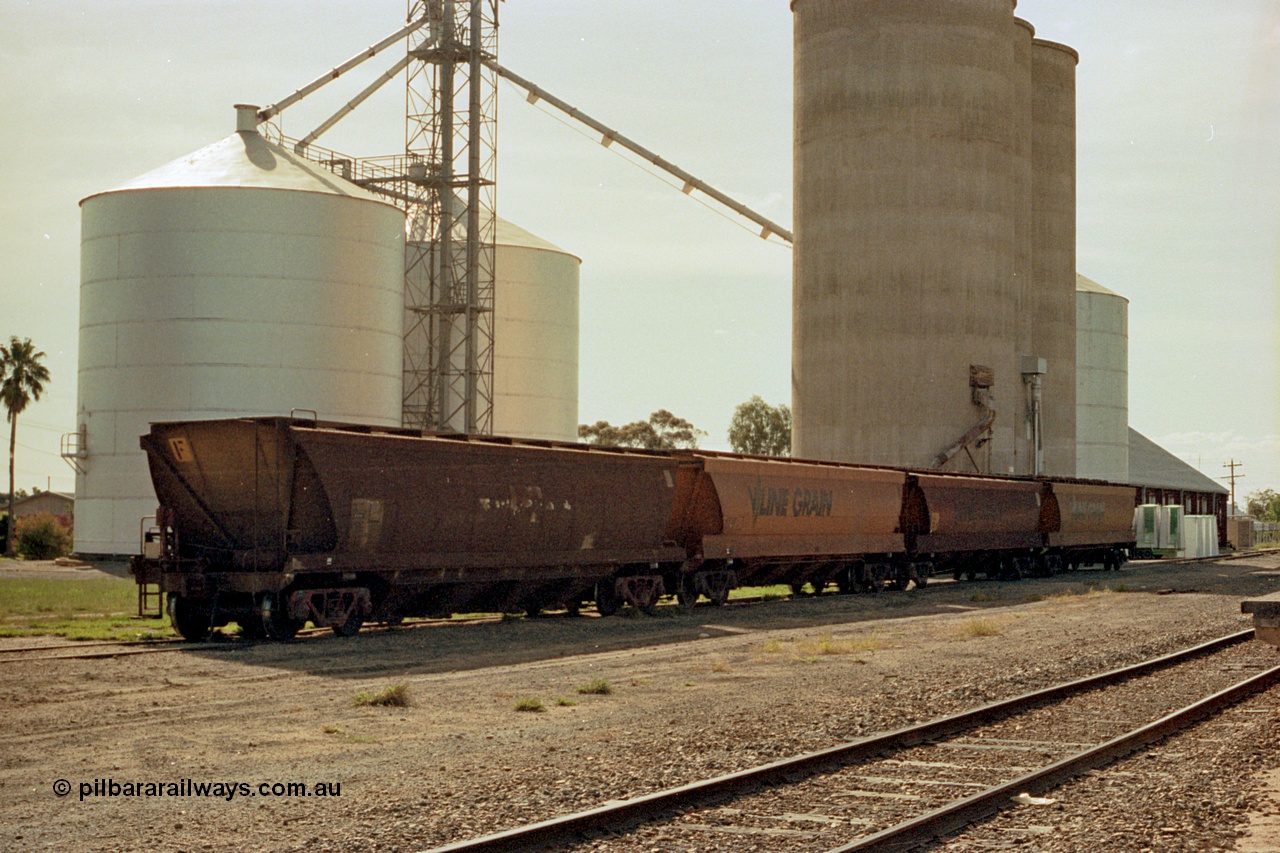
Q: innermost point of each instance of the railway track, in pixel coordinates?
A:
(100, 649)
(899, 790)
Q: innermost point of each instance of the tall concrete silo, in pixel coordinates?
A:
(1102, 382)
(1024, 207)
(1051, 310)
(238, 280)
(904, 231)
(535, 333)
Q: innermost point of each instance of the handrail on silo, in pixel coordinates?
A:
(610, 136)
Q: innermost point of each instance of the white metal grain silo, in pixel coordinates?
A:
(1102, 382)
(535, 333)
(904, 264)
(535, 338)
(238, 280)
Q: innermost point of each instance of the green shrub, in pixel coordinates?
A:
(43, 537)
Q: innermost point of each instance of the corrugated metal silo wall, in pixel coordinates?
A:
(1102, 398)
(1052, 314)
(905, 228)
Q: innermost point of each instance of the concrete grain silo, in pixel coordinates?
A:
(535, 333)
(1102, 382)
(905, 239)
(1024, 207)
(239, 280)
(1051, 310)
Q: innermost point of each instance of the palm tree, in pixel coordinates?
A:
(23, 381)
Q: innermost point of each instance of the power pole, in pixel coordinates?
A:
(1233, 476)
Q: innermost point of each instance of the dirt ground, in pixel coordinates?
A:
(691, 695)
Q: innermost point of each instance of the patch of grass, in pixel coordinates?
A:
(595, 687)
(361, 739)
(719, 664)
(565, 703)
(75, 609)
(768, 593)
(332, 730)
(825, 644)
(93, 628)
(393, 696)
(1076, 593)
(32, 596)
(772, 647)
(530, 703)
(981, 628)
(983, 596)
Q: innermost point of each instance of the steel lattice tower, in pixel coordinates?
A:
(449, 192)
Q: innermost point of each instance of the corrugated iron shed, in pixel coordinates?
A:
(1152, 465)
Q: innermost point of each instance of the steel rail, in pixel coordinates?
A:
(636, 810)
(949, 819)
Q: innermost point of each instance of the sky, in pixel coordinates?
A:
(681, 307)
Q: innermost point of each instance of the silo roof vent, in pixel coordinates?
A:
(246, 118)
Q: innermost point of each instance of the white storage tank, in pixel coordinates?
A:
(238, 280)
(1102, 382)
(535, 336)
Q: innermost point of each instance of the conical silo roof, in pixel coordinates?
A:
(245, 159)
(1088, 285)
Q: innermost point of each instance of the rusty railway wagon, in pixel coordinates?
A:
(272, 522)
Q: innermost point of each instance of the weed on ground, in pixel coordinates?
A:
(394, 696)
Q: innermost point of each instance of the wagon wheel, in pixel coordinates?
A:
(189, 619)
(275, 621)
(687, 592)
(607, 600)
(797, 588)
(533, 610)
(844, 582)
(718, 594)
(251, 628)
(922, 581)
(350, 627)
